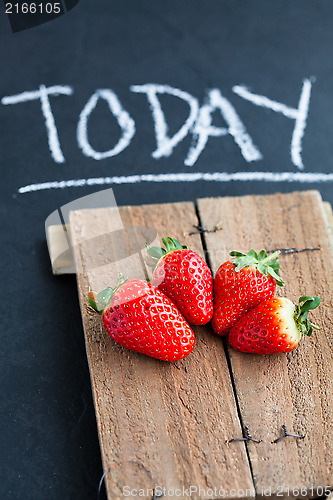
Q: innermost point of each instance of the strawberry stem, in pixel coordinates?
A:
(271, 257)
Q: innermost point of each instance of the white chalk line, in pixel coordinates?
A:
(301, 177)
(299, 115)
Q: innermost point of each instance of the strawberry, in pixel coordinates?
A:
(185, 278)
(276, 325)
(140, 317)
(242, 284)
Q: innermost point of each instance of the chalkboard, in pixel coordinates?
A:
(160, 101)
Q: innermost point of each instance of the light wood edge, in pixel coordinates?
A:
(60, 251)
(328, 217)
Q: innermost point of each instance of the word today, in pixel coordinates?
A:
(199, 122)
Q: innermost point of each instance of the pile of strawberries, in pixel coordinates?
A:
(154, 318)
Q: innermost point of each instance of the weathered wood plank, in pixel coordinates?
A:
(61, 254)
(294, 389)
(159, 423)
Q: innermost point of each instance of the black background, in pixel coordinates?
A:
(49, 446)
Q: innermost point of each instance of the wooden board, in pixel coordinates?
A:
(160, 424)
(169, 424)
(294, 389)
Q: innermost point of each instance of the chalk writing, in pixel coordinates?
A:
(165, 144)
(301, 177)
(124, 120)
(299, 115)
(198, 123)
(203, 129)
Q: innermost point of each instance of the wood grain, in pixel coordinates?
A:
(160, 424)
(294, 389)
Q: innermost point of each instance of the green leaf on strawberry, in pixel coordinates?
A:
(103, 298)
(170, 245)
(266, 264)
(301, 316)
(156, 252)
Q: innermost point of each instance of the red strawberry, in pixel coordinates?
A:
(140, 317)
(185, 278)
(275, 325)
(241, 285)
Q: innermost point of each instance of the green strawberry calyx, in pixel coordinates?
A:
(301, 314)
(102, 300)
(170, 245)
(266, 264)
